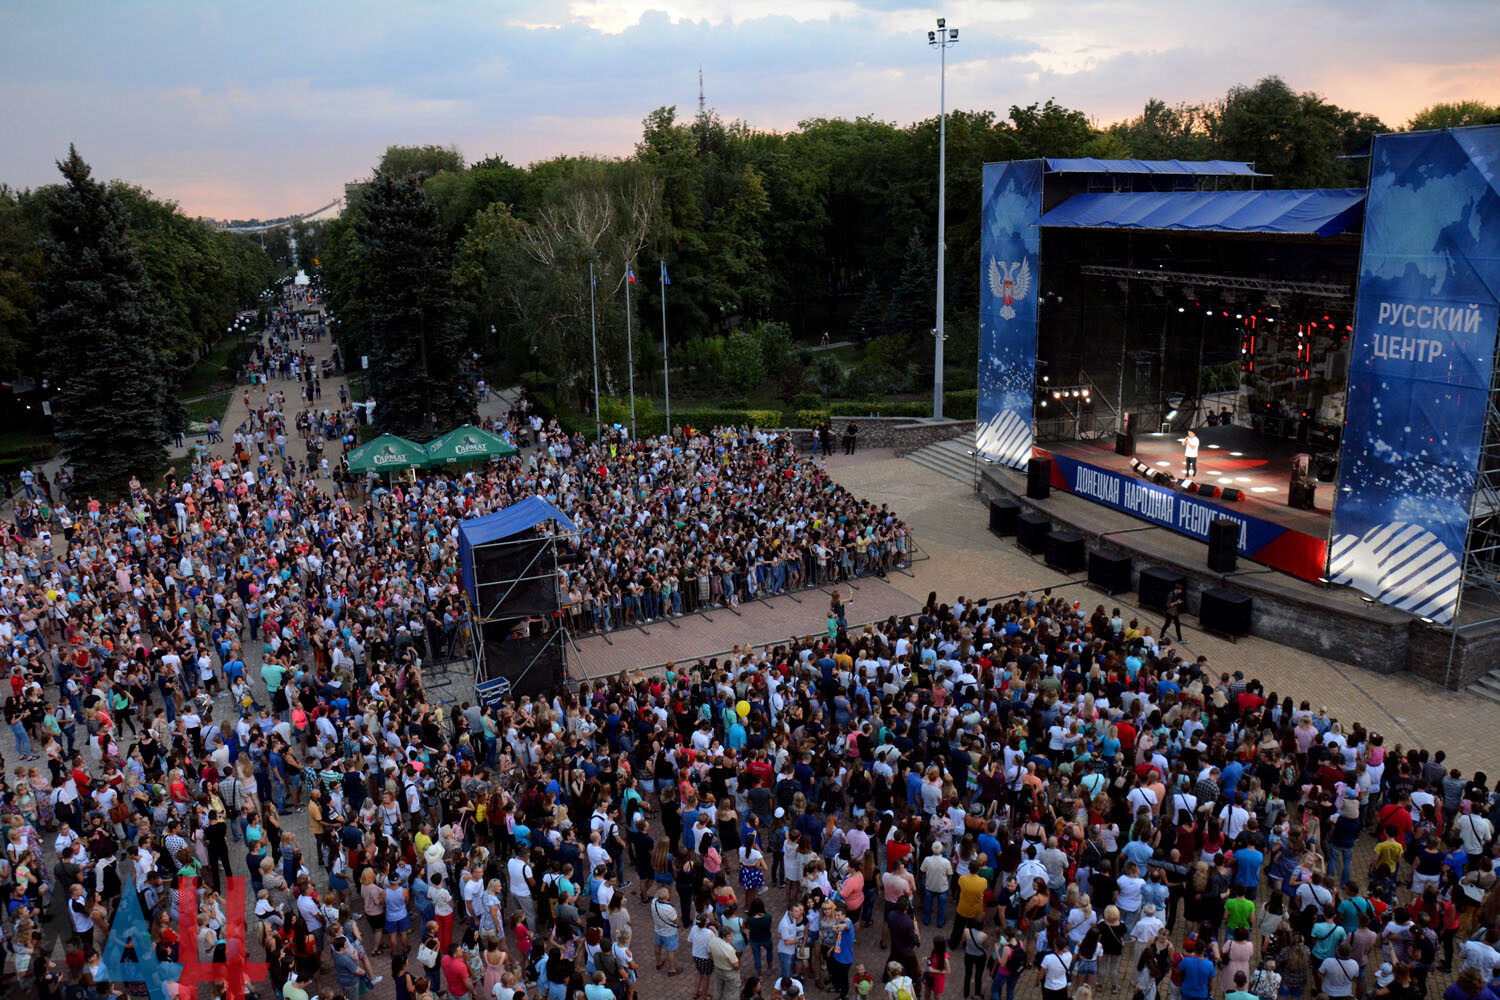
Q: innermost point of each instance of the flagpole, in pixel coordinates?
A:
(666, 368)
(594, 336)
(629, 350)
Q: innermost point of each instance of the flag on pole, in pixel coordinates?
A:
(666, 279)
(630, 274)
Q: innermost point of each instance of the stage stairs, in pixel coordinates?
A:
(1487, 686)
(954, 458)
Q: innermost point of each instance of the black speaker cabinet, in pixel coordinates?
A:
(1223, 544)
(1224, 612)
(1303, 494)
(1039, 478)
(1065, 551)
(1233, 495)
(1155, 586)
(1109, 571)
(1125, 444)
(1032, 530)
(1003, 515)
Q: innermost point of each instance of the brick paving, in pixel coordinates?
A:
(719, 631)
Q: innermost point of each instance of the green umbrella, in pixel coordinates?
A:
(466, 444)
(387, 453)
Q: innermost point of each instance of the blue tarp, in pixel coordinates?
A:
(1321, 212)
(1195, 168)
(513, 520)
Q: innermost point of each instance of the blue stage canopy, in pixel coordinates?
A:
(1194, 168)
(513, 520)
(1320, 212)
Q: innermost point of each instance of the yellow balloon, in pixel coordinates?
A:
(743, 708)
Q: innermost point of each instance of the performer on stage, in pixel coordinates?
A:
(1190, 454)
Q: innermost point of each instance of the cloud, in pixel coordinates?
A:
(267, 110)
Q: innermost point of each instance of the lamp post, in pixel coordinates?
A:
(940, 39)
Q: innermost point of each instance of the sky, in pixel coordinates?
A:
(266, 109)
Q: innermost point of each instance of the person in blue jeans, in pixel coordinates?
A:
(937, 874)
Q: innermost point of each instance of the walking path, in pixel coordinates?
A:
(952, 525)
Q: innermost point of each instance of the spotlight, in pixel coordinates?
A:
(1181, 309)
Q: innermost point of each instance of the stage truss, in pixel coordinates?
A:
(542, 566)
(1312, 289)
(1481, 563)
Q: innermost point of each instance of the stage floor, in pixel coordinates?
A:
(1227, 456)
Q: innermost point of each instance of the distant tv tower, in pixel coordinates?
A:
(701, 105)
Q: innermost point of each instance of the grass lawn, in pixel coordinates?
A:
(213, 407)
(213, 373)
(21, 445)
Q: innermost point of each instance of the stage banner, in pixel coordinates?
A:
(1263, 541)
(1009, 270)
(1419, 369)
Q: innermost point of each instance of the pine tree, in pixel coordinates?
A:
(418, 362)
(102, 329)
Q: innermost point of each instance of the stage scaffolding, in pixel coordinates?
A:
(1481, 562)
(1156, 276)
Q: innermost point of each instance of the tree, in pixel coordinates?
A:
(420, 162)
(1296, 138)
(744, 362)
(418, 361)
(103, 330)
(1456, 114)
(1167, 132)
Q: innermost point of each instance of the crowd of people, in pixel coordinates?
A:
(223, 675)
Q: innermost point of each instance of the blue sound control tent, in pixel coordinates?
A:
(502, 524)
(1319, 212)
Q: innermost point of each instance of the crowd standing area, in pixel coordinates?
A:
(224, 675)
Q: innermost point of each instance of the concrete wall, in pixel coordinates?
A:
(904, 434)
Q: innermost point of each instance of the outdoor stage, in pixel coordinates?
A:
(1271, 532)
(1237, 457)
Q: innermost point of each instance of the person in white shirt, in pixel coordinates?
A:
(1056, 970)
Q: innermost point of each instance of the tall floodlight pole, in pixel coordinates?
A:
(666, 368)
(594, 338)
(629, 345)
(940, 39)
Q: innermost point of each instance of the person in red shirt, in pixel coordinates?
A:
(1397, 815)
(896, 850)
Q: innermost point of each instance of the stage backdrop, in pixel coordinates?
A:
(1009, 275)
(1419, 372)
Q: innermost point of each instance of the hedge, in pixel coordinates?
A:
(886, 408)
(961, 404)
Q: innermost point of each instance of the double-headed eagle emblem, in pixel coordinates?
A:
(1010, 282)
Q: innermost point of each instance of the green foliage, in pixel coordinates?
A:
(962, 404)
(882, 408)
(201, 411)
(1297, 138)
(810, 416)
(825, 376)
(744, 364)
(104, 331)
(419, 162)
(878, 379)
(1456, 114)
(417, 354)
(704, 418)
(701, 360)
(805, 401)
(775, 345)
